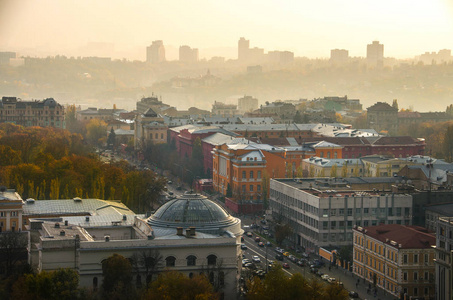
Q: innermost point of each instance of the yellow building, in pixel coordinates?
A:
(396, 258)
(11, 208)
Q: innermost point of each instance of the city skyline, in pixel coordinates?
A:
(407, 28)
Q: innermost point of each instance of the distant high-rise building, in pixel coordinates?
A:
(155, 53)
(442, 56)
(247, 104)
(375, 54)
(280, 57)
(187, 54)
(243, 49)
(339, 56)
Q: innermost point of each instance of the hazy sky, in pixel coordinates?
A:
(309, 28)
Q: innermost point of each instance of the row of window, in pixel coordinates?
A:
(374, 211)
(156, 136)
(12, 214)
(191, 260)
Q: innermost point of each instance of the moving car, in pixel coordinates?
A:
(243, 247)
(286, 254)
(257, 239)
(256, 259)
(286, 265)
(332, 280)
(261, 244)
(249, 234)
(325, 277)
(279, 257)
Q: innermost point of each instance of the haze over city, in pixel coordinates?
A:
(121, 29)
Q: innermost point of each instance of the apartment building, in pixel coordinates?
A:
(444, 259)
(325, 218)
(396, 258)
(32, 113)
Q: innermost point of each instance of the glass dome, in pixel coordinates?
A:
(191, 210)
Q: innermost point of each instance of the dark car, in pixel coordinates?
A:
(243, 247)
(257, 239)
(353, 294)
(279, 256)
(286, 265)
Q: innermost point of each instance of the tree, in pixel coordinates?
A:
(333, 171)
(282, 232)
(13, 249)
(448, 144)
(60, 284)
(395, 104)
(265, 182)
(344, 170)
(229, 191)
(117, 273)
(146, 262)
(96, 131)
(298, 119)
(174, 285)
(111, 140)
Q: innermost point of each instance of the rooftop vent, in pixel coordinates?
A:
(62, 233)
(124, 217)
(77, 199)
(179, 230)
(87, 219)
(30, 201)
(57, 225)
(66, 223)
(107, 238)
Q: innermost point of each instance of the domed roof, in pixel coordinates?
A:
(192, 210)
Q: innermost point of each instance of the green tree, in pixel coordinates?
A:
(111, 140)
(344, 170)
(13, 250)
(395, 104)
(333, 171)
(117, 273)
(96, 131)
(282, 232)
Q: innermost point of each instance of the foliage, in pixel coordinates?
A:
(277, 285)
(13, 249)
(96, 131)
(61, 284)
(111, 140)
(117, 273)
(49, 163)
(174, 285)
(282, 232)
(265, 187)
(345, 253)
(333, 171)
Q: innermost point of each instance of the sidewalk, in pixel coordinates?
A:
(349, 281)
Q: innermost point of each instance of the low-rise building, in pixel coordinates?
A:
(396, 258)
(11, 210)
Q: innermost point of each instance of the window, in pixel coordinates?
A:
(95, 283)
(258, 188)
(170, 261)
(426, 258)
(244, 175)
(426, 277)
(415, 275)
(349, 212)
(243, 188)
(405, 259)
(415, 258)
(251, 188)
(405, 276)
(259, 174)
(415, 291)
(156, 135)
(212, 260)
(325, 213)
(14, 214)
(341, 212)
(365, 210)
(333, 212)
(251, 174)
(358, 211)
(191, 260)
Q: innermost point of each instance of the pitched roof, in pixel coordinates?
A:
(379, 106)
(409, 237)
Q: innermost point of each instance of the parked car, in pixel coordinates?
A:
(286, 254)
(325, 277)
(244, 247)
(332, 280)
(261, 244)
(353, 294)
(279, 256)
(257, 239)
(249, 234)
(256, 259)
(268, 244)
(286, 265)
(301, 263)
(170, 182)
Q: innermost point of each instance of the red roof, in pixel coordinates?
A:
(409, 237)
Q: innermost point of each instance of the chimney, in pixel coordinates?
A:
(179, 230)
(66, 223)
(62, 233)
(87, 219)
(57, 225)
(107, 238)
(192, 231)
(124, 217)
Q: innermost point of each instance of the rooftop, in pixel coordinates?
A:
(401, 236)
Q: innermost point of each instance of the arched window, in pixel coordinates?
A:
(95, 283)
(212, 260)
(170, 261)
(191, 260)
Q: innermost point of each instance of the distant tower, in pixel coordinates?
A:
(375, 54)
(243, 49)
(187, 54)
(155, 53)
(339, 56)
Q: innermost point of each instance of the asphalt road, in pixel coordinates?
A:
(342, 275)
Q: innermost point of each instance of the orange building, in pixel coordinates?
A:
(11, 208)
(238, 171)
